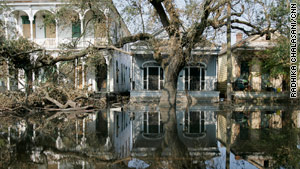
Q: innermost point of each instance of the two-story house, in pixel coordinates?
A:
(54, 23)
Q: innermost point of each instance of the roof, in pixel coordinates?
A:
(205, 45)
(255, 42)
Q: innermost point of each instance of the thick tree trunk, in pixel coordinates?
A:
(171, 73)
(168, 97)
(172, 147)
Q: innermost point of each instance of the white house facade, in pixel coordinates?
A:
(198, 78)
(28, 20)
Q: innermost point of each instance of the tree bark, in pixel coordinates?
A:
(168, 97)
(171, 145)
(171, 72)
(229, 60)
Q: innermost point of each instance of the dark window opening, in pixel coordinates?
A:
(76, 29)
(117, 72)
(145, 78)
(194, 122)
(194, 78)
(268, 36)
(117, 126)
(152, 123)
(153, 78)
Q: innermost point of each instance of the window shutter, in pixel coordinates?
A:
(76, 29)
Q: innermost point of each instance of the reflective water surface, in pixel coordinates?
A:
(145, 136)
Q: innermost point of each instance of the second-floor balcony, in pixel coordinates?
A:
(43, 28)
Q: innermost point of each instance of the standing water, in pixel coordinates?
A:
(141, 136)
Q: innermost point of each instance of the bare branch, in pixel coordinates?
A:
(113, 48)
(134, 38)
(162, 14)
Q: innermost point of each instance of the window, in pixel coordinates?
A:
(194, 122)
(117, 126)
(194, 78)
(122, 74)
(245, 70)
(125, 73)
(152, 123)
(153, 78)
(117, 72)
(76, 29)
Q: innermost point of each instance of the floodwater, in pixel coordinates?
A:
(141, 136)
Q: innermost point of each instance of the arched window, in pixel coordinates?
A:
(194, 77)
(153, 76)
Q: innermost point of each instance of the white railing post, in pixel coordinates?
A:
(56, 33)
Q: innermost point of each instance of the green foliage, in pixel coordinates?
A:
(16, 51)
(279, 13)
(277, 59)
(2, 143)
(49, 18)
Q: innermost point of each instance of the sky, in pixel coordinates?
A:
(135, 25)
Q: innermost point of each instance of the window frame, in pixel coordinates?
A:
(187, 127)
(146, 123)
(202, 79)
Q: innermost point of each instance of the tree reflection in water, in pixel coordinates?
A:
(199, 136)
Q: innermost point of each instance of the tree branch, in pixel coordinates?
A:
(134, 38)
(162, 14)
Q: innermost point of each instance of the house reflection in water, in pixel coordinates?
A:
(253, 134)
(140, 132)
(257, 134)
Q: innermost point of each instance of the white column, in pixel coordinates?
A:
(6, 25)
(56, 32)
(83, 73)
(31, 27)
(33, 80)
(8, 78)
(75, 73)
(57, 67)
(108, 74)
(81, 29)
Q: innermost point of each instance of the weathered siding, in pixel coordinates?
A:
(222, 73)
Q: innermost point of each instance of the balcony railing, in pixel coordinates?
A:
(50, 43)
(46, 42)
